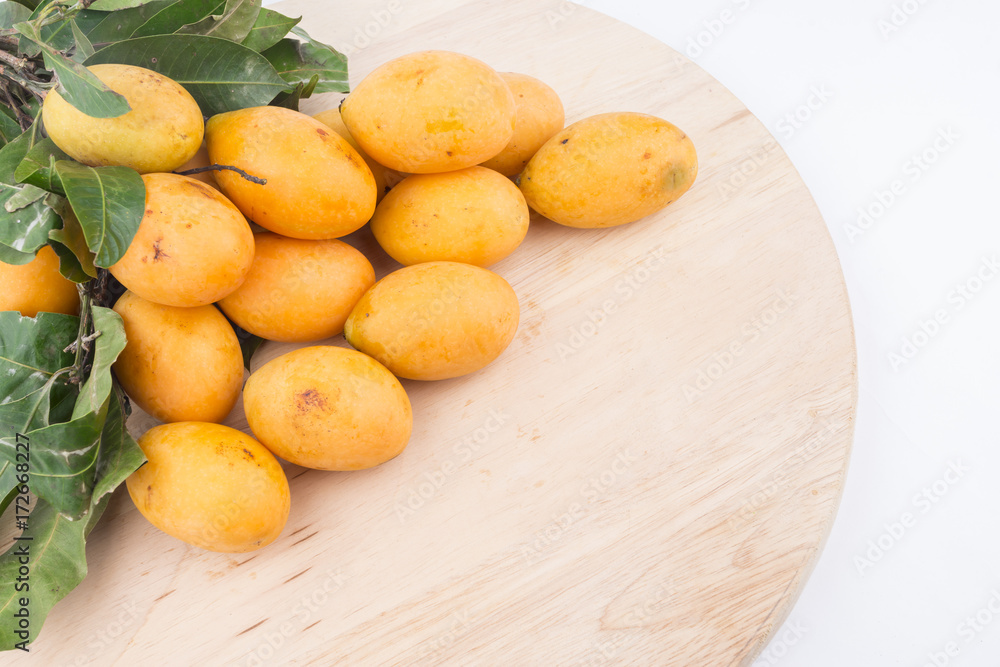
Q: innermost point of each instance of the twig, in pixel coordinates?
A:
(222, 167)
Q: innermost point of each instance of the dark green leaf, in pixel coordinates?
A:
(103, 28)
(109, 203)
(9, 129)
(11, 13)
(57, 564)
(298, 62)
(120, 454)
(178, 14)
(37, 166)
(219, 74)
(233, 23)
(268, 29)
(291, 99)
(76, 261)
(108, 345)
(75, 83)
(27, 228)
(114, 5)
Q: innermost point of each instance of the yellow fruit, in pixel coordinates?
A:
(161, 132)
(328, 408)
(331, 118)
(318, 186)
(609, 170)
(211, 486)
(179, 364)
(436, 320)
(38, 286)
(473, 215)
(193, 246)
(299, 290)
(431, 111)
(539, 115)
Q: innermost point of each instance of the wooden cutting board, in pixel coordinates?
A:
(645, 477)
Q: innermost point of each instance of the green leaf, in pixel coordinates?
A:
(57, 563)
(76, 261)
(75, 83)
(83, 49)
(120, 453)
(298, 62)
(8, 484)
(32, 351)
(109, 203)
(64, 460)
(37, 167)
(219, 74)
(268, 29)
(26, 228)
(10, 256)
(108, 345)
(23, 198)
(11, 13)
(178, 14)
(114, 5)
(103, 28)
(234, 23)
(9, 129)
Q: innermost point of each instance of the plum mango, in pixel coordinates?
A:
(609, 169)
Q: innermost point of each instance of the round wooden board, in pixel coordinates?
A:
(646, 476)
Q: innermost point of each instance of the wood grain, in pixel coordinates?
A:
(645, 477)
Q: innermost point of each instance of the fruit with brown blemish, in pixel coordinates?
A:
(211, 486)
(193, 246)
(328, 408)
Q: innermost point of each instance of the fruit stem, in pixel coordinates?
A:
(223, 167)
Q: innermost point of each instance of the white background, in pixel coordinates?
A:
(886, 79)
(865, 95)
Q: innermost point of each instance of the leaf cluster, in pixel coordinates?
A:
(57, 391)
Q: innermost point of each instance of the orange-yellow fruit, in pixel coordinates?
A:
(609, 170)
(299, 290)
(328, 408)
(161, 132)
(539, 115)
(179, 364)
(38, 287)
(211, 486)
(431, 111)
(436, 320)
(318, 186)
(331, 118)
(473, 215)
(193, 246)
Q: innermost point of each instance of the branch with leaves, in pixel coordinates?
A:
(56, 386)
